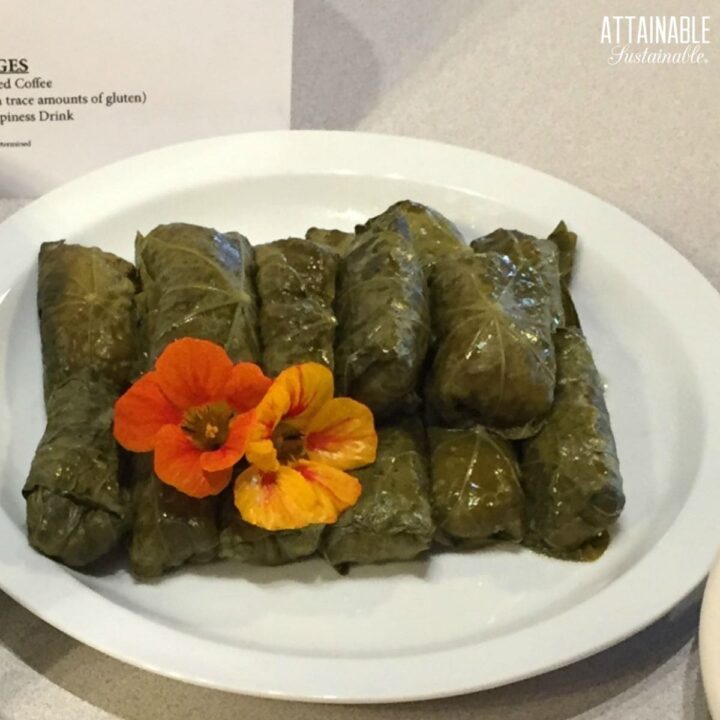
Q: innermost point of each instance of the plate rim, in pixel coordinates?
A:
(299, 149)
(709, 634)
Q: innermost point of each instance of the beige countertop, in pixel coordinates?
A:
(526, 80)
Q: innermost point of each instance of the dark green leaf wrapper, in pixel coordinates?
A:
(570, 471)
(566, 242)
(87, 318)
(341, 242)
(572, 319)
(198, 282)
(476, 494)
(384, 324)
(495, 361)
(250, 544)
(77, 508)
(392, 520)
(296, 284)
(537, 263)
(169, 528)
(431, 233)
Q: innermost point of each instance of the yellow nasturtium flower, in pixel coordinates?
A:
(300, 445)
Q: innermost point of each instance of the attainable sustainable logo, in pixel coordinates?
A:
(656, 39)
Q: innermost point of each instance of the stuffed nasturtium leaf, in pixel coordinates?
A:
(431, 233)
(536, 261)
(86, 303)
(198, 282)
(77, 502)
(170, 528)
(392, 520)
(475, 487)
(494, 362)
(296, 286)
(384, 324)
(570, 470)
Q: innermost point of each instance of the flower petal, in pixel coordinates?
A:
(218, 481)
(216, 460)
(342, 490)
(141, 412)
(309, 386)
(263, 454)
(233, 449)
(193, 372)
(179, 463)
(282, 500)
(270, 411)
(240, 429)
(246, 387)
(268, 414)
(342, 434)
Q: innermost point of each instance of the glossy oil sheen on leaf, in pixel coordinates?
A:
(296, 284)
(430, 232)
(392, 519)
(536, 261)
(570, 471)
(77, 504)
(476, 494)
(86, 300)
(384, 324)
(198, 282)
(494, 363)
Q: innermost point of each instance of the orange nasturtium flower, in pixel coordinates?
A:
(300, 444)
(195, 410)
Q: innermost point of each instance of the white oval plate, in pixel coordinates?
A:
(455, 623)
(710, 640)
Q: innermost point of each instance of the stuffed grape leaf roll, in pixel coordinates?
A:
(198, 282)
(570, 470)
(431, 233)
(494, 362)
(296, 285)
(77, 505)
(86, 306)
(536, 261)
(392, 519)
(248, 543)
(475, 487)
(384, 323)
(169, 527)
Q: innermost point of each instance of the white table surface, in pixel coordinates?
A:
(527, 80)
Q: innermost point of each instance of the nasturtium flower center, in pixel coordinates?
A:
(208, 425)
(289, 443)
